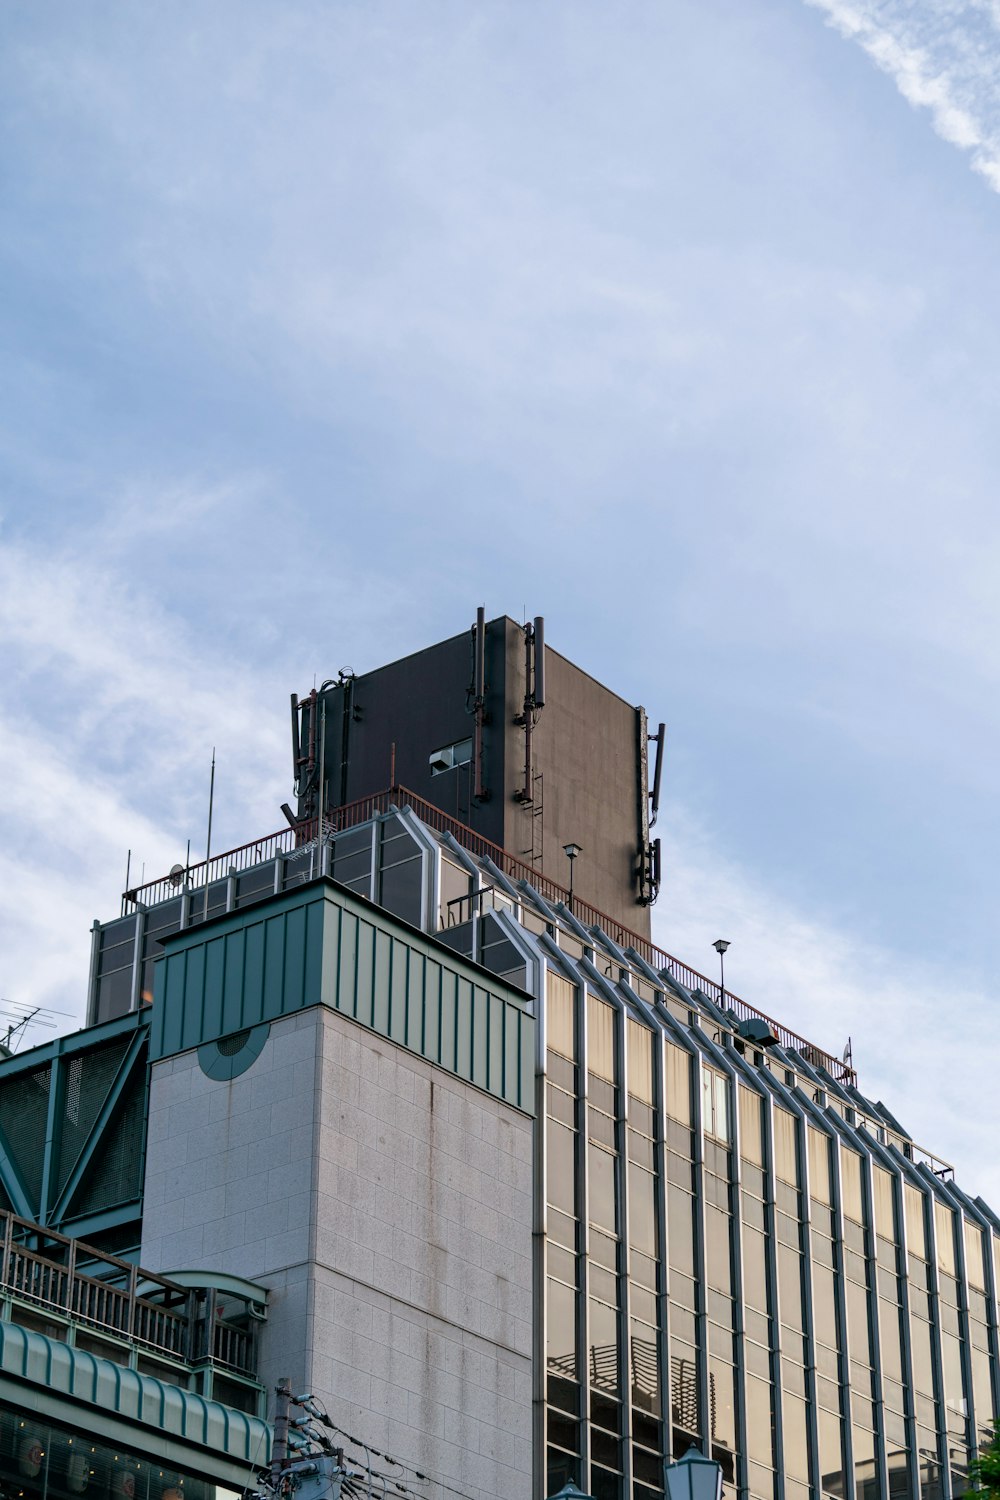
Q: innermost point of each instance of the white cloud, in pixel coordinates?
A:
(943, 57)
(110, 707)
(115, 693)
(919, 1035)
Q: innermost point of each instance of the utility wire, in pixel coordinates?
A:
(398, 1487)
(399, 1464)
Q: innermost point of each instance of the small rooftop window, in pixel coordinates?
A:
(449, 756)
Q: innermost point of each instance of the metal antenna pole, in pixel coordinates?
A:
(208, 842)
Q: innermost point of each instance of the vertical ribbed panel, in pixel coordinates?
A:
(320, 946)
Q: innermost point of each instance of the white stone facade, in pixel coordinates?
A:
(387, 1205)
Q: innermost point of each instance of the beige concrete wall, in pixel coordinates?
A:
(387, 1204)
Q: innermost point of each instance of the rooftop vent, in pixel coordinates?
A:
(756, 1030)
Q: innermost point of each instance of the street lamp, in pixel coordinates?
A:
(570, 1491)
(693, 1477)
(571, 851)
(720, 945)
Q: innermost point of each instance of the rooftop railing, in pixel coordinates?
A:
(352, 814)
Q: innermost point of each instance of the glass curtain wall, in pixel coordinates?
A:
(815, 1294)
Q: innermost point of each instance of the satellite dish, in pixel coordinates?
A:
(176, 876)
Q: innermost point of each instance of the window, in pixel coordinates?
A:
(640, 1062)
(600, 1038)
(750, 1132)
(944, 1222)
(974, 1263)
(715, 1104)
(678, 1084)
(850, 1180)
(785, 1155)
(449, 756)
(884, 1216)
(819, 1165)
(916, 1237)
(561, 1030)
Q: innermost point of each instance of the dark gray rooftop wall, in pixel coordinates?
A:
(420, 704)
(585, 744)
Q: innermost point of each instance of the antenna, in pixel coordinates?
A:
(538, 661)
(18, 1017)
(660, 739)
(208, 841)
(296, 741)
(479, 699)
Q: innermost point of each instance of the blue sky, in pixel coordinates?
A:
(324, 323)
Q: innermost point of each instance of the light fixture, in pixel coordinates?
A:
(571, 851)
(693, 1477)
(720, 945)
(570, 1491)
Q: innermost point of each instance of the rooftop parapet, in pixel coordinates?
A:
(222, 868)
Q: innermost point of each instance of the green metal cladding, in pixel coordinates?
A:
(72, 1127)
(70, 1385)
(323, 946)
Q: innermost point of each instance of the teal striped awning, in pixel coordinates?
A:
(148, 1416)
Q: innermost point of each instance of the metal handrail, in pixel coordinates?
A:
(364, 809)
(43, 1268)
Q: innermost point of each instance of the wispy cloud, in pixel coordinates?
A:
(115, 692)
(109, 707)
(943, 57)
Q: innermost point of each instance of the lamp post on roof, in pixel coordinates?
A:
(571, 851)
(693, 1477)
(720, 945)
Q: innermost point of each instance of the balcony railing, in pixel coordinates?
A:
(109, 1296)
(352, 814)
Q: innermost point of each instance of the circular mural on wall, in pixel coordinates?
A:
(232, 1055)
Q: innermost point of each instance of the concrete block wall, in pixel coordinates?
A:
(387, 1205)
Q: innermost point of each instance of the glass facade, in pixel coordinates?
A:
(739, 1256)
(42, 1460)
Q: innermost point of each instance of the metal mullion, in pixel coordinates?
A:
(539, 1257)
(95, 958)
(909, 1176)
(903, 1277)
(624, 1324)
(806, 1293)
(54, 1119)
(965, 1343)
(825, 1119)
(583, 1205)
(375, 870)
(676, 1034)
(141, 921)
(771, 1254)
(868, 1208)
(663, 1258)
(736, 1250)
(991, 1295)
(840, 1296)
(700, 1268)
(937, 1356)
